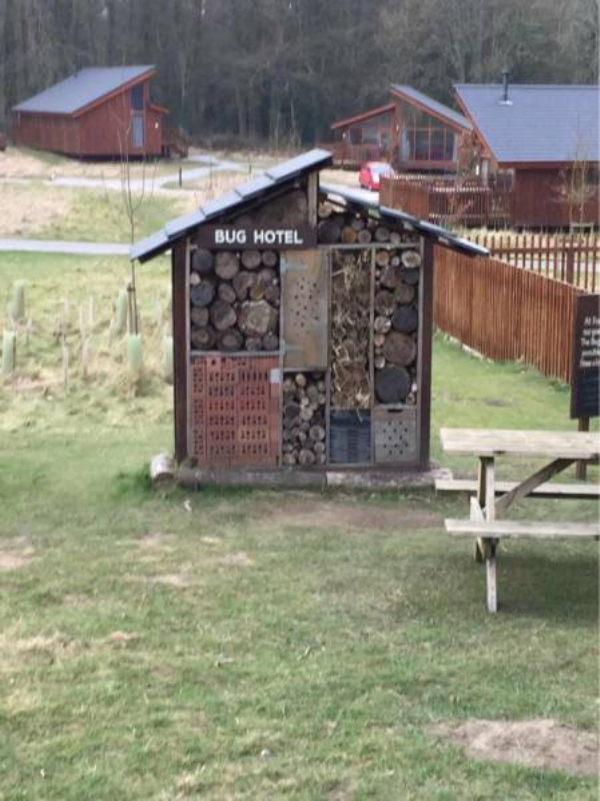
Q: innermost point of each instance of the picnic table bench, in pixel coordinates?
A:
(563, 448)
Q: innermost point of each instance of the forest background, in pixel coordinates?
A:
(278, 72)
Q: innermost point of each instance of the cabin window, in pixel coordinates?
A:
(137, 97)
(137, 131)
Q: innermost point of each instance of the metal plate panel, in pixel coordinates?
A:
(395, 435)
(305, 305)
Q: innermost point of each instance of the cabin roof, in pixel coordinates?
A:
(539, 123)
(365, 115)
(429, 104)
(85, 87)
(441, 236)
(263, 185)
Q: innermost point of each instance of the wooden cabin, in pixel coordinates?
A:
(545, 137)
(413, 131)
(99, 112)
(302, 329)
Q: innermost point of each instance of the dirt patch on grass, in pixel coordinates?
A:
(211, 540)
(21, 700)
(170, 580)
(54, 648)
(312, 512)
(237, 560)
(190, 784)
(122, 638)
(541, 744)
(156, 541)
(15, 557)
(76, 600)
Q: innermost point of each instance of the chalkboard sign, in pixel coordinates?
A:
(240, 237)
(585, 383)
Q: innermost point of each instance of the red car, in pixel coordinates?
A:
(371, 172)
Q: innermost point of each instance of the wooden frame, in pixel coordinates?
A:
(182, 389)
(181, 357)
(425, 353)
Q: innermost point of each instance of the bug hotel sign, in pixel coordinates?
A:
(233, 237)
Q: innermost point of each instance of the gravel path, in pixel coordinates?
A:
(152, 182)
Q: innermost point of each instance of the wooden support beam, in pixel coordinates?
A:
(490, 576)
(525, 487)
(576, 492)
(583, 424)
(484, 476)
(477, 514)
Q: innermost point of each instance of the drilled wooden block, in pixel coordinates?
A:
(306, 318)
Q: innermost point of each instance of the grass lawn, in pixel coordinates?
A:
(35, 210)
(258, 645)
(22, 162)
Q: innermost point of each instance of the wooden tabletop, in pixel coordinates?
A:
(491, 442)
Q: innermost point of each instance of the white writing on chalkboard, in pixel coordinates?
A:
(590, 342)
(585, 380)
(259, 236)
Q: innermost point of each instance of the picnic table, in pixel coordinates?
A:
(561, 448)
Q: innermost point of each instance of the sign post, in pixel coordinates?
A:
(585, 378)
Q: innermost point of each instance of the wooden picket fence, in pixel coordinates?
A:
(574, 257)
(347, 155)
(443, 201)
(504, 312)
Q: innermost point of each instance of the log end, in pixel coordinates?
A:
(162, 469)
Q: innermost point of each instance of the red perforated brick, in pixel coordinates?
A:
(237, 423)
(254, 419)
(198, 430)
(198, 378)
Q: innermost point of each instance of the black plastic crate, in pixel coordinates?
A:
(350, 436)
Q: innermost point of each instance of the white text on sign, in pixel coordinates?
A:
(258, 237)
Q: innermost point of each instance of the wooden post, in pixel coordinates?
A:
(481, 499)
(426, 336)
(180, 177)
(489, 549)
(570, 272)
(180, 314)
(583, 424)
(490, 575)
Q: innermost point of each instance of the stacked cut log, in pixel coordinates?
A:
(350, 323)
(304, 432)
(350, 227)
(234, 299)
(396, 324)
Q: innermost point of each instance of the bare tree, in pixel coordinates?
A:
(576, 187)
(135, 192)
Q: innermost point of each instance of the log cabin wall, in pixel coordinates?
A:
(57, 133)
(107, 129)
(104, 130)
(540, 202)
(307, 357)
